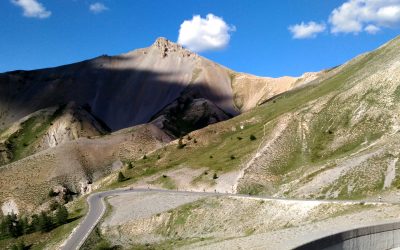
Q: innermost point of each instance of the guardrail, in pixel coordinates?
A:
(383, 236)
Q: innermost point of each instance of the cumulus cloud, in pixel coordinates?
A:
(306, 30)
(355, 16)
(97, 8)
(202, 34)
(32, 8)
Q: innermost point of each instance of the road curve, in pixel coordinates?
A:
(97, 208)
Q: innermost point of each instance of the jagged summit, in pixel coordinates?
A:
(166, 47)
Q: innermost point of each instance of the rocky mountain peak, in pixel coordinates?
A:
(166, 46)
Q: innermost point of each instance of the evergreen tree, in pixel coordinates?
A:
(10, 226)
(24, 225)
(61, 215)
(35, 224)
(45, 223)
(121, 177)
(3, 228)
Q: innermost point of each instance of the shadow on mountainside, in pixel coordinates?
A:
(121, 97)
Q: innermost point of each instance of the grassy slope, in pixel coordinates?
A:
(20, 143)
(332, 133)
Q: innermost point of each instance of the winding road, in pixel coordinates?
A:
(97, 208)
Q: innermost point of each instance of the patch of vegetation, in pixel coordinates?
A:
(13, 226)
(169, 244)
(96, 241)
(121, 177)
(165, 182)
(35, 235)
(204, 178)
(251, 189)
(249, 231)
(181, 144)
(20, 144)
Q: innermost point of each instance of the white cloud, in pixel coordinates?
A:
(372, 29)
(32, 8)
(307, 30)
(355, 16)
(97, 8)
(201, 34)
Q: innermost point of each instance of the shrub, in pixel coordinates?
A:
(121, 177)
(61, 215)
(239, 138)
(253, 138)
(215, 176)
(54, 205)
(144, 157)
(181, 144)
(19, 246)
(130, 165)
(233, 157)
(52, 193)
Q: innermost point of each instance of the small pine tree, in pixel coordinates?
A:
(130, 166)
(45, 223)
(24, 225)
(253, 138)
(10, 226)
(35, 224)
(121, 177)
(215, 176)
(144, 157)
(61, 215)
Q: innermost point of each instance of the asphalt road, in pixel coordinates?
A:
(97, 208)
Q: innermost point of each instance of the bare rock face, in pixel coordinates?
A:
(73, 123)
(9, 207)
(167, 47)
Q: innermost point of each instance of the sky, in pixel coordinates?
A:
(266, 38)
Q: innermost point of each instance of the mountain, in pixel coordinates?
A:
(130, 89)
(331, 134)
(72, 125)
(336, 137)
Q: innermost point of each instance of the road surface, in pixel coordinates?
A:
(97, 208)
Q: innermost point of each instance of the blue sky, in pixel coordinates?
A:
(261, 37)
